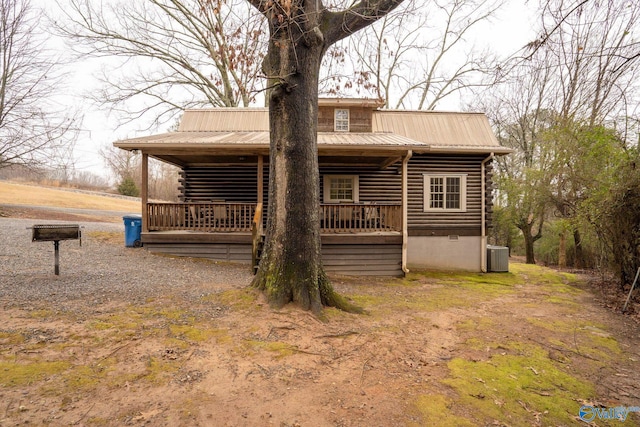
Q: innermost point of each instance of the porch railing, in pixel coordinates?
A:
(360, 217)
(217, 216)
(200, 216)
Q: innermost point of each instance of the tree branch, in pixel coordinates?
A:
(343, 24)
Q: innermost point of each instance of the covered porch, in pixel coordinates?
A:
(222, 214)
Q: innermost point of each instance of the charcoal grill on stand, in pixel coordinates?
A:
(54, 233)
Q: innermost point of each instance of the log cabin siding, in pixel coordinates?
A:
(466, 223)
(360, 119)
(228, 183)
(239, 183)
(375, 185)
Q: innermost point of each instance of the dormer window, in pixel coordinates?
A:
(341, 120)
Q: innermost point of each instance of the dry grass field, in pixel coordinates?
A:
(33, 195)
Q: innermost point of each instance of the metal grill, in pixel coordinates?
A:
(54, 233)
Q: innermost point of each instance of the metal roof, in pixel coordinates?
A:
(225, 120)
(438, 129)
(247, 129)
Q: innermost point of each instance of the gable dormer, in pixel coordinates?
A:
(346, 114)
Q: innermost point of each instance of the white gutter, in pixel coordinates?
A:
(483, 214)
(405, 199)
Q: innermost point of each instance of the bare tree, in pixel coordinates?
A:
(518, 109)
(125, 166)
(169, 54)
(419, 56)
(33, 125)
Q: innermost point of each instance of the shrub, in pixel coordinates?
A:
(128, 188)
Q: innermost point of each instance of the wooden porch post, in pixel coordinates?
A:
(260, 178)
(144, 191)
(405, 198)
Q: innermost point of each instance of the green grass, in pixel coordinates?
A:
(16, 374)
(518, 388)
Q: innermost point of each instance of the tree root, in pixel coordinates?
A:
(314, 298)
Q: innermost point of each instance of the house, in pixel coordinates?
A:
(399, 189)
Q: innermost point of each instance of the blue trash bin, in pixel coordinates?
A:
(132, 230)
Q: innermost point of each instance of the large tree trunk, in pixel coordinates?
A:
(528, 246)
(527, 227)
(562, 249)
(300, 31)
(291, 269)
(577, 241)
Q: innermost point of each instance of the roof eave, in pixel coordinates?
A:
(498, 151)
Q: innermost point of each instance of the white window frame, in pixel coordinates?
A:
(427, 192)
(355, 182)
(339, 124)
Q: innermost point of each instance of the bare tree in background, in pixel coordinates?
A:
(518, 110)
(33, 126)
(420, 56)
(125, 167)
(169, 54)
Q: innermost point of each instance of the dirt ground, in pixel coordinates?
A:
(524, 348)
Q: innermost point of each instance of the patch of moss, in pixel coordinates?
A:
(177, 343)
(606, 342)
(568, 303)
(518, 389)
(239, 299)
(41, 313)
(98, 421)
(11, 338)
(101, 325)
(197, 332)
(158, 369)
(20, 374)
(84, 377)
(549, 279)
(280, 348)
(163, 312)
(591, 339)
(436, 410)
(475, 324)
(121, 322)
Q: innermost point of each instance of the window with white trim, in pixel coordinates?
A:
(341, 120)
(341, 188)
(445, 193)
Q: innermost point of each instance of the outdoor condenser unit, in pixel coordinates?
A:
(497, 258)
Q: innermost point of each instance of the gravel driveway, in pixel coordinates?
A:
(100, 271)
